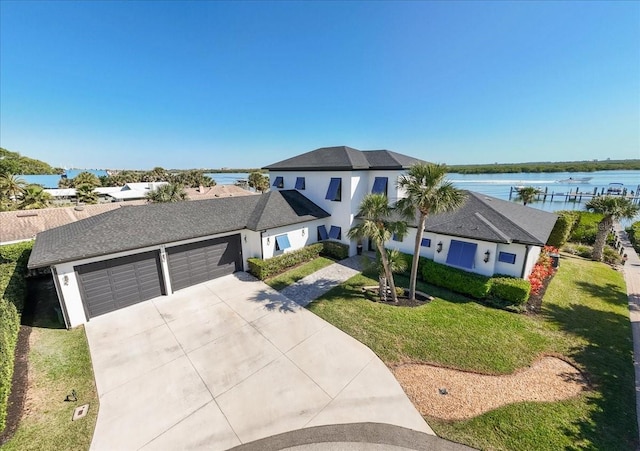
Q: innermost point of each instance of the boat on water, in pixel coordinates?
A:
(576, 180)
(615, 188)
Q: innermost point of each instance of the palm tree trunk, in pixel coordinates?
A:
(413, 279)
(387, 271)
(601, 238)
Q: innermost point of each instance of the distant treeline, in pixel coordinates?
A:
(14, 163)
(225, 170)
(566, 166)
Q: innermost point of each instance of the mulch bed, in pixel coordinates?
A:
(534, 304)
(19, 384)
(403, 301)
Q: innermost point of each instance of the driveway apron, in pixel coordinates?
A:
(228, 362)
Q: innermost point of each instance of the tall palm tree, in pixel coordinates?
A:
(34, 197)
(171, 192)
(377, 225)
(11, 187)
(427, 193)
(259, 181)
(527, 194)
(613, 208)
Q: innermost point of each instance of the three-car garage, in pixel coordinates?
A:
(112, 284)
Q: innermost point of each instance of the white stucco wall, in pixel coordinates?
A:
(300, 235)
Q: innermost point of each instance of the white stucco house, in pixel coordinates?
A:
(135, 253)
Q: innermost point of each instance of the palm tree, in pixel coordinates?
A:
(11, 187)
(86, 178)
(85, 193)
(427, 193)
(375, 213)
(34, 197)
(613, 208)
(259, 181)
(171, 192)
(527, 194)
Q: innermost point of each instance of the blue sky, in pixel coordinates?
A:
(123, 84)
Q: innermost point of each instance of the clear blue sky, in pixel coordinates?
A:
(123, 84)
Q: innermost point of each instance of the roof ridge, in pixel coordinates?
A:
(493, 227)
(258, 210)
(533, 238)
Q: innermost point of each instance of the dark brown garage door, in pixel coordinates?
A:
(113, 284)
(195, 263)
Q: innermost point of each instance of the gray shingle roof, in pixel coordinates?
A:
(135, 227)
(343, 158)
(490, 219)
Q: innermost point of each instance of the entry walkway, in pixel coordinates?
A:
(315, 285)
(632, 277)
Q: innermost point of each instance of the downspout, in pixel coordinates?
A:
(526, 259)
(261, 250)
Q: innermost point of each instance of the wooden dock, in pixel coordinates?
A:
(578, 196)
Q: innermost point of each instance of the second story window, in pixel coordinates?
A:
(300, 185)
(335, 189)
(380, 185)
(279, 182)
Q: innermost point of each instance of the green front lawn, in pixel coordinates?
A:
(291, 276)
(59, 361)
(585, 318)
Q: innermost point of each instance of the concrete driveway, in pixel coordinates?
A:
(228, 362)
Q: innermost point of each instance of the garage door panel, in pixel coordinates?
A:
(199, 262)
(116, 283)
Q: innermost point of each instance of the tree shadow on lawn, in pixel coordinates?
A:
(607, 360)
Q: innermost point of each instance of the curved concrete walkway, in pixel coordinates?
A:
(631, 272)
(228, 362)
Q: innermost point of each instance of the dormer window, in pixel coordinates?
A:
(279, 182)
(300, 185)
(334, 192)
(380, 185)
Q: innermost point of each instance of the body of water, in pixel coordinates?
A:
(496, 185)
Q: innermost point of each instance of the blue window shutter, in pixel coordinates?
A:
(335, 189)
(322, 233)
(426, 242)
(279, 182)
(282, 242)
(396, 237)
(334, 232)
(300, 183)
(461, 254)
(507, 257)
(380, 185)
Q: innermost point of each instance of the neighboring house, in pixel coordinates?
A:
(132, 254)
(130, 191)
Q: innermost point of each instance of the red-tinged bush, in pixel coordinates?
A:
(543, 269)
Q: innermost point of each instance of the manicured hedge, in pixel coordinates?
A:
(513, 291)
(562, 229)
(586, 228)
(454, 279)
(335, 250)
(264, 269)
(13, 268)
(634, 235)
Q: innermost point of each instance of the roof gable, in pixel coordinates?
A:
(343, 158)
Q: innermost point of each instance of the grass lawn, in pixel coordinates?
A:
(291, 276)
(59, 361)
(585, 318)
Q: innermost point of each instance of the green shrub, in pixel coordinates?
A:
(335, 250)
(13, 268)
(634, 235)
(454, 279)
(611, 256)
(513, 291)
(263, 269)
(562, 229)
(587, 227)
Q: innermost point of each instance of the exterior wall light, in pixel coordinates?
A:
(486, 256)
(439, 247)
(268, 241)
(65, 280)
(302, 232)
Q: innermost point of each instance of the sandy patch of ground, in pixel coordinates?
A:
(471, 394)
